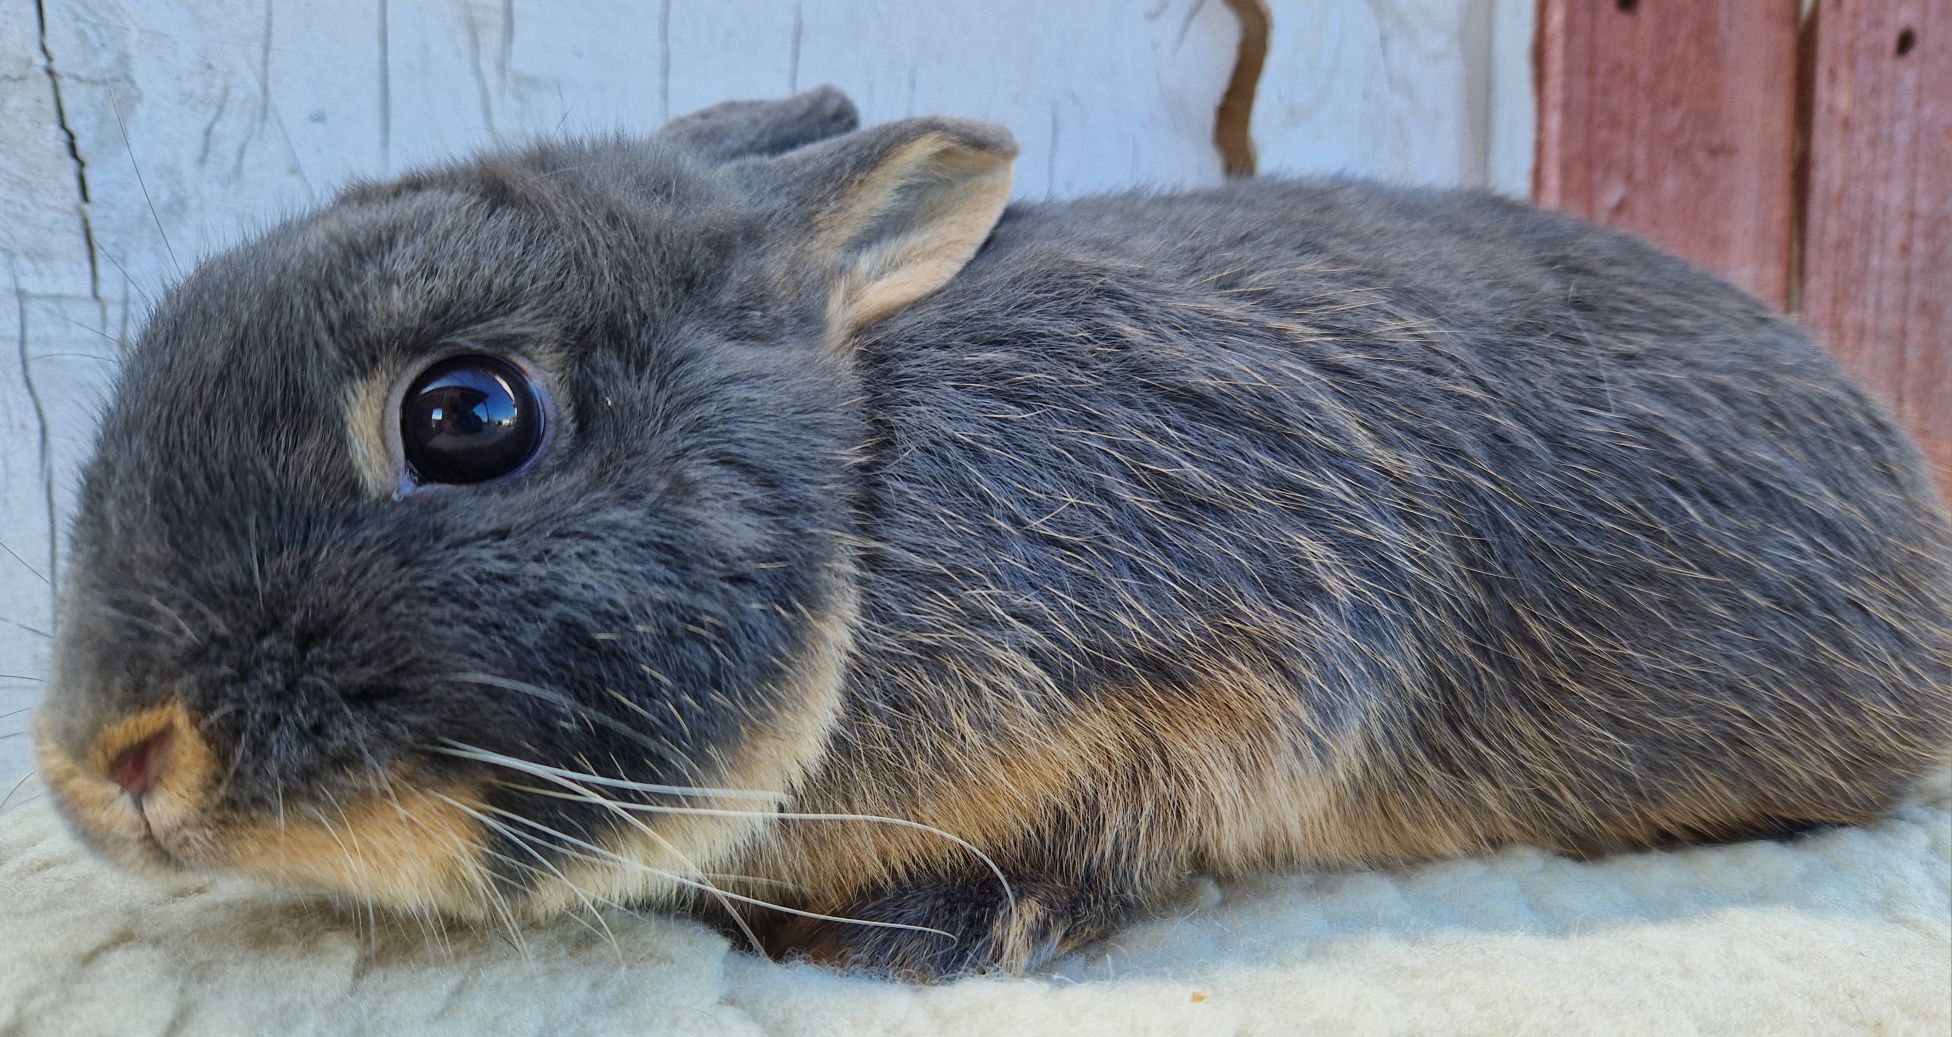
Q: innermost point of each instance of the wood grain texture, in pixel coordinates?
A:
(1417, 91)
(1675, 121)
(1877, 262)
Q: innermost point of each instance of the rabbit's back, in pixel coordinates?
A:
(1513, 527)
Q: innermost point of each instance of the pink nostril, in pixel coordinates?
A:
(140, 764)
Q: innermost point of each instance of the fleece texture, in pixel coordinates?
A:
(1842, 931)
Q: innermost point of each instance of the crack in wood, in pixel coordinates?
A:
(46, 470)
(74, 154)
(93, 252)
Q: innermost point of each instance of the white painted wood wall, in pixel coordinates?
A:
(137, 135)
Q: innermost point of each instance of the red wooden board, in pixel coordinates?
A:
(1877, 261)
(1675, 120)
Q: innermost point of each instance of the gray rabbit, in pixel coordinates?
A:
(768, 520)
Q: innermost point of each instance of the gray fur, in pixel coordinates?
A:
(1548, 536)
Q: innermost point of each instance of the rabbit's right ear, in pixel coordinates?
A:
(746, 129)
(889, 214)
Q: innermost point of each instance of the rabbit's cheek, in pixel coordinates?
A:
(406, 848)
(645, 856)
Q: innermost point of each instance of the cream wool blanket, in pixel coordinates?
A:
(1846, 931)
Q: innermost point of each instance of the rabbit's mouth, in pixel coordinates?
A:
(454, 828)
(136, 789)
(144, 796)
(147, 793)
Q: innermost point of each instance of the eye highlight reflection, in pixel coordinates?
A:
(469, 419)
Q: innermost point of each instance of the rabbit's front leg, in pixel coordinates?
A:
(977, 927)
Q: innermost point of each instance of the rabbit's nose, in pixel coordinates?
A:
(137, 767)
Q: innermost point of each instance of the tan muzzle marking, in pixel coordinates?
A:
(396, 845)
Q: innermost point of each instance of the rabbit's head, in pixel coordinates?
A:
(483, 539)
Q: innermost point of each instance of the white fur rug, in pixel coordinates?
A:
(1842, 932)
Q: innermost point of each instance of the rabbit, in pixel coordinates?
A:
(768, 520)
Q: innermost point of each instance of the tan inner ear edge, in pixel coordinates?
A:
(896, 273)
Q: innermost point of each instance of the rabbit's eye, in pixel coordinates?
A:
(469, 419)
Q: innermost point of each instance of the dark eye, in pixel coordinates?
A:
(469, 419)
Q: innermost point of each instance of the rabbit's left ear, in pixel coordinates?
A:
(733, 130)
(893, 212)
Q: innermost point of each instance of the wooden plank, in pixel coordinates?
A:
(1877, 267)
(1401, 91)
(1675, 121)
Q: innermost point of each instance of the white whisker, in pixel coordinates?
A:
(587, 796)
(544, 861)
(469, 752)
(681, 880)
(570, 706)
(23, 564)
(8, 798)
(555, 773)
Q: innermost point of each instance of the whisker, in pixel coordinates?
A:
(93, 330)
(76, 356)
(528, 846)
(4, 800)
(36, 631)
(717, 893)
(525, 846)
(124, 271)
(754, 879)
(23, 562)
(556, 773)
(469, 752)
(117, 107)
(429, 921)
(134, 620)
(431, 925)
(189, 632)
(354, 866)
(681, 880)
(494, 902)
(567, 705)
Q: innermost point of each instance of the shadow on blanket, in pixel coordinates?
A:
(1846, 930)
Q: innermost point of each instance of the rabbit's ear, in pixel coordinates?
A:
(893, 212)
(746, 129)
